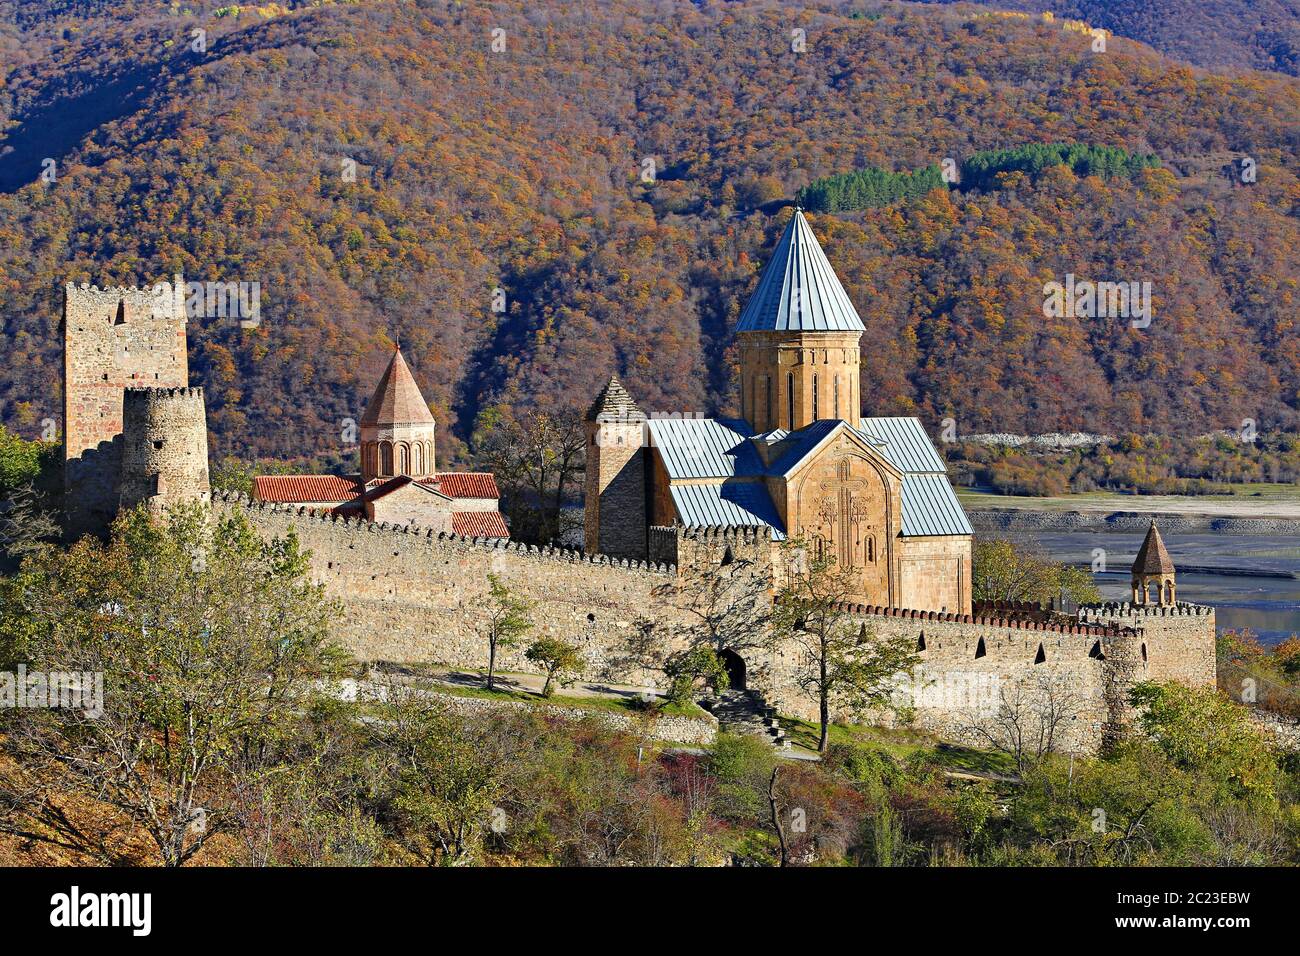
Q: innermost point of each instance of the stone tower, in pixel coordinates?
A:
(113, 339)
(799, 337)
(397, 429)
(164, 448)
(615, 501)
(1154, 566)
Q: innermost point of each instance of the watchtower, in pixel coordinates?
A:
(113, 339)
(164, 448)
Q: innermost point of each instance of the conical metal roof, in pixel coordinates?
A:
(799, 291)
(397, 399)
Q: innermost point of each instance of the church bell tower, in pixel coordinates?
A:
(799, 340)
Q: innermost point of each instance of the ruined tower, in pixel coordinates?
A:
(164, 448)
(799, 338)
(397, 428)
(615, 516)
(113, 339)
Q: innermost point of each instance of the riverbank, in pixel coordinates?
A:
(1026, 520)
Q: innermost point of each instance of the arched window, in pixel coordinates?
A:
(836, 396)
(417, 458)
(871, 549)
(767, 422)
(386, 458)
(816, 405)
(789, 388)
(404, 458)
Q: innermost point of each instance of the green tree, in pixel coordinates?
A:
(692, 667)
(839, 663)
(507, 622)
(1003, 572)
(1201, 730)
(557, 658)
(210, 642)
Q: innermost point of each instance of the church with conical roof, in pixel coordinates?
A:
(398, 482)
(802, 461)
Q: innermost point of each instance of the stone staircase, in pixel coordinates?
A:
(745, 712)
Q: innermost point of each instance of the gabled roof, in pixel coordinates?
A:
(705, 447)
(1152, 557)
(798, 445)
(397, 399)
(387, 487)
(614, 404)
(465, 484)
(799, 290)
(709, 452)
(930, 506)
(731, 504)
(479, 524)
(905, 444)
(300, 489)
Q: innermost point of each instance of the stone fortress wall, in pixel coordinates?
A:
(411, 595)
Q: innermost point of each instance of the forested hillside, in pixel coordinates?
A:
(1241, 34)
(525, 169)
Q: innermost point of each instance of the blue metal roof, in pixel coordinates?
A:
(799, 291)
(798, 445)
(705, 447)
(907, 446)
(730, 504)
(721, 449)
(930, 506)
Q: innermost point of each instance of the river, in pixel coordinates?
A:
(1270, 607)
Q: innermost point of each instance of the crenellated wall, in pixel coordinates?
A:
(412, 596)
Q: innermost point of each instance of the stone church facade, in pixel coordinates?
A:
(871, 494)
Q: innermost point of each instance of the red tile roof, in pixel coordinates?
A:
(299, 489)
(465, 484)
(479, 524)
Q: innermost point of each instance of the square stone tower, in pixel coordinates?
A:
(113, 339)
(615, 509)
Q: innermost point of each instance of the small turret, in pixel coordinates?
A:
(1153, 566)
(615, 517)
(397, 428)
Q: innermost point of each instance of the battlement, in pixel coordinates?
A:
(123, 304)
(1060, 626)
(357, 524)
(151, 395)
(748, 534)
(1128, 609)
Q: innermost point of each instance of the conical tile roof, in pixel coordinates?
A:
(397, 399)
(799, 291)
(615, 404)
(1152, 558)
